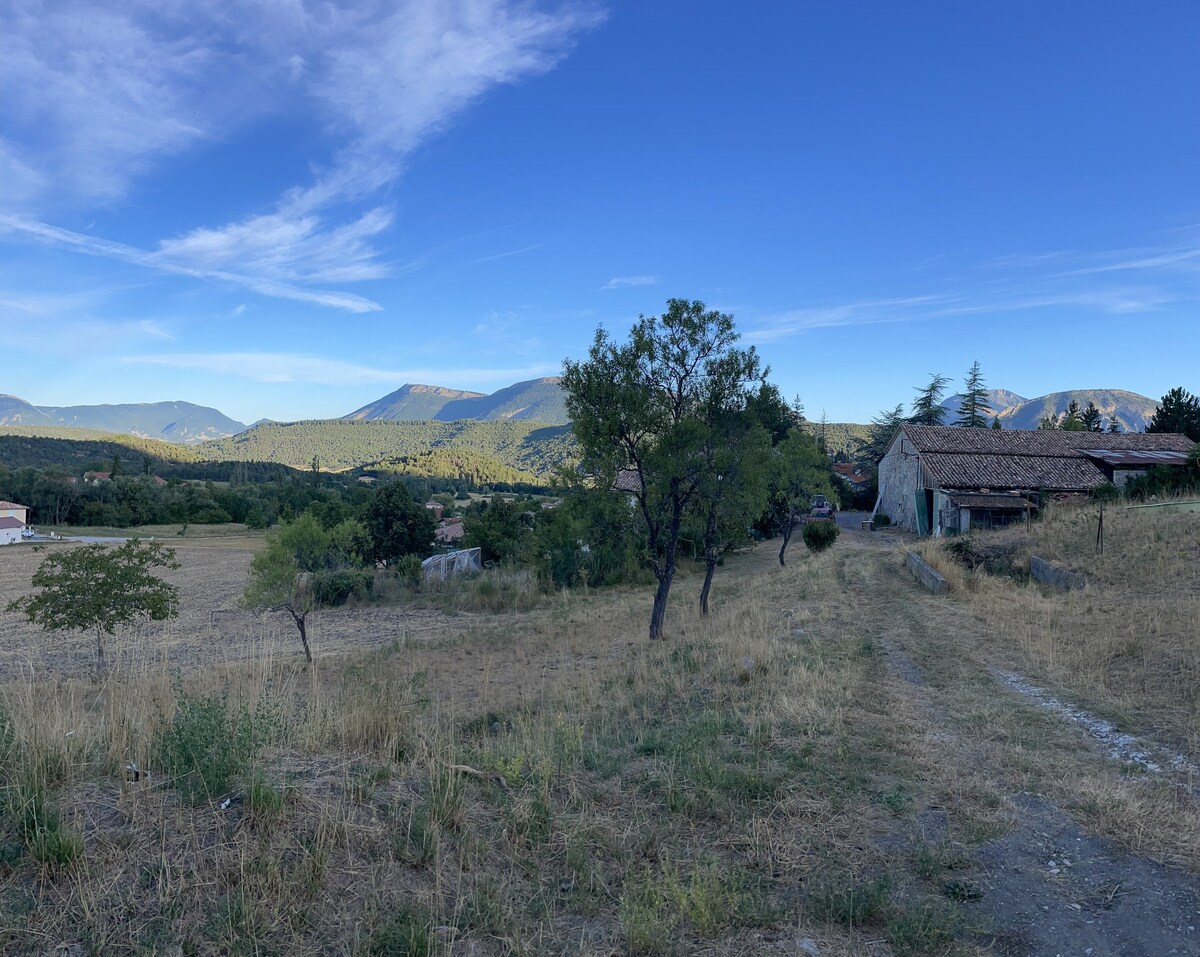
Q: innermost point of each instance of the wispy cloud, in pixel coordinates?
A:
(293, 367)
(99, 92)
(105, 248)
(1022, 282)
(624, 282)
(857, 313)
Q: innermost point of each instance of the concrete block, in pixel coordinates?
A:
(1059, 576)
(925, 573)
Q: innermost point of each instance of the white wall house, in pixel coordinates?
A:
(10, 530)
(934, 479)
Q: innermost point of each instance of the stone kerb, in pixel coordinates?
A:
(1057, 575)
(925, 573)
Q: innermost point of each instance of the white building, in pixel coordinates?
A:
(10, 530)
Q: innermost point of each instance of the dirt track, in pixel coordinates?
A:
(1051, 884)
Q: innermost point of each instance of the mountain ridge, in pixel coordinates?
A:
(531, 400)
(182, 423)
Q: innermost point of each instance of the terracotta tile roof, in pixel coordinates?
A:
(984, 500)
(1059, 472)
(627, 480)
(7, 505)
(1031, 459)
(931, 438)
(852, 473)
(450, 533)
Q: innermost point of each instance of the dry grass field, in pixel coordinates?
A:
(826, 764)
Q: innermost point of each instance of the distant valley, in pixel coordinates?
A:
(518, 434)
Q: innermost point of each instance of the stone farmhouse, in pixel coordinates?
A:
(938, 480)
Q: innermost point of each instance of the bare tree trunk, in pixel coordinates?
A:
(710, 558)
(660, 602)
(303, 628)
(787, 537)
(710, 566)
(101, 663)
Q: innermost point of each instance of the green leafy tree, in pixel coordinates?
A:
(397, 524)
(796, 472)
(496, 529)
(98, 587)
(1091, 418)
(883, 427)
(733, 488)
(973, 407)
(639, 406)
(927, 406)
(290, 574)
(1178, 411)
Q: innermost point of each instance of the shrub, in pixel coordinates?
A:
(208, 745)
(335, 587)
(818, 536)
(408, 570)
(882, 521)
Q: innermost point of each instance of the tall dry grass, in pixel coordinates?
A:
(1128, 644)
(549, 782)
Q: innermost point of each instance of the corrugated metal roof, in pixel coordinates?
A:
(1137, 459)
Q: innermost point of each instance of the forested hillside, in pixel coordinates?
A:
(458, 449)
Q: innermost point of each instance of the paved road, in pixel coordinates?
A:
(851, 520)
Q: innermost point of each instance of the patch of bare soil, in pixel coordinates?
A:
(1050, 885)
(211, 627)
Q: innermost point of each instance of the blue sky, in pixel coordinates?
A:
(286, 209)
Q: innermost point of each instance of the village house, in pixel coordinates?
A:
(939, 480)
(451, 530)
(10, 530)
(13, 510)
(435, 507)
(857, 476)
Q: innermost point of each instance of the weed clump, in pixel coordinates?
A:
(209, 745)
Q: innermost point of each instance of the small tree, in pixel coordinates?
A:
(97, 588)
(1092, 419)
(639, 406)
(286, 575)
(973, 401)
(927, 406)
(733, 485)
(796, 472)
(996, 423)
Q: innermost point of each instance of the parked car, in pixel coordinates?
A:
(27, 532)
(821, 509)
